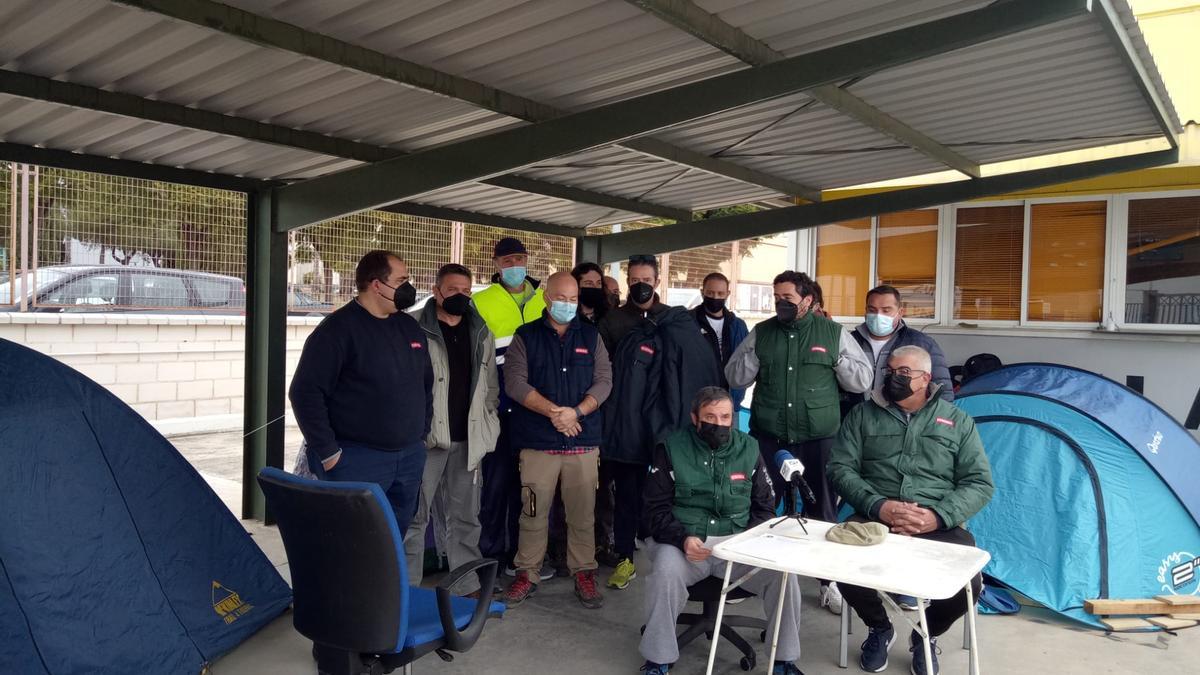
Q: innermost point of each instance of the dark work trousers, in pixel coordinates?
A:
(941, 614)
(605, 506)
(500, 499)
(814, 455)
(398, 473)
(630, 480)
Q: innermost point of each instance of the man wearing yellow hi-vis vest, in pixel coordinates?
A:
(512, 301)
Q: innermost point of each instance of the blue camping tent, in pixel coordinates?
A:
(1096, 494)
(115, 556)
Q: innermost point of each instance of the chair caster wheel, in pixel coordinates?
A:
(762, 636)
(642, 630)
(747, 663)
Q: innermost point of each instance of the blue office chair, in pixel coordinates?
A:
(350, 580)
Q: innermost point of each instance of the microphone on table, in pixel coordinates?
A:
(792, 471)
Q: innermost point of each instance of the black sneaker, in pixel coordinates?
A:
(652, 668)
(918, 652)
(785, 668)
(875, 648)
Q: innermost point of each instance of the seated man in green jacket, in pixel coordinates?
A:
(914, 462)
(706, 483)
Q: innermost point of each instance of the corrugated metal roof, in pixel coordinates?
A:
(1058, 88)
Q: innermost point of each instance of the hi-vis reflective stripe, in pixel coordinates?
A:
(503, 342)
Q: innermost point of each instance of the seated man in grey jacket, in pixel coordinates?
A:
(466, 393)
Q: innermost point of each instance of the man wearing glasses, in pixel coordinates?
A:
(914, 462)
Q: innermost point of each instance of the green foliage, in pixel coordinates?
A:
(177, 226)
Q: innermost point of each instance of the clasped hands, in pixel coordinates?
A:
(565, 420)
(906, 518)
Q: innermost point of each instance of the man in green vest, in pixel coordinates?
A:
(914, 462)
(796, 361)
(513, 300)
(707, 482)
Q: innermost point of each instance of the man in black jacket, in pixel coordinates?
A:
(362, 392)
(708, 482)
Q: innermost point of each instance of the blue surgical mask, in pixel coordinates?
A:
(513, 276)
(880, 324)
(563, 312)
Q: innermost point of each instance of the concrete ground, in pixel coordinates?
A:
(551, 632)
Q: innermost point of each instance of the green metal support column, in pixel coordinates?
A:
(266, 342)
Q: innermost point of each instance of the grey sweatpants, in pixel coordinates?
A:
(446, 471)
(666, 596)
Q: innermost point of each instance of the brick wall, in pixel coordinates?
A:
(165, 367)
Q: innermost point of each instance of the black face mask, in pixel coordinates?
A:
(405, 295)
(786, 311)
(593, 298)
(714, 435)
(456, 305)
(641, 293)
(714, 305)
(897, 387)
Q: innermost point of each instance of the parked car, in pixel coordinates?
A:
(90, 288)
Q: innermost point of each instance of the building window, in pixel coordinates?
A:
(1162, 272)
(906, 257)
(987, 263)
(1066, 261)
(844, 265)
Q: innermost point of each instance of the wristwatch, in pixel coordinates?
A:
(578, 413)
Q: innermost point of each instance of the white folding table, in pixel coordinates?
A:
(924, 569)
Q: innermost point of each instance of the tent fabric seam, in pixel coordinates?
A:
(32, 638)
(1097, 489)
(1084, 413)
(142, 542)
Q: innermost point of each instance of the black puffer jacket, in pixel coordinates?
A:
(657, 368)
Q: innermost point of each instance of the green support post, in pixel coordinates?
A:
(266, 342)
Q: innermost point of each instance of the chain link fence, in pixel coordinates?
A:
(8, 233)
(99, 242)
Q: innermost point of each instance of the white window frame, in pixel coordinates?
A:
(1118, 241)
(952, 241)
(873, 267)
(1104, 294)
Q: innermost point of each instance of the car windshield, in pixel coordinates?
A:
(10, 289)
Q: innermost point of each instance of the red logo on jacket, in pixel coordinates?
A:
(646, 348)
(414, 344)
(943, 420)
(737, 476)
(819, 348)
(581, 350)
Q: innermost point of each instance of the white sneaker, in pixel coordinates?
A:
(831, 598)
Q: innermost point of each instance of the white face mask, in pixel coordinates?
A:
(881, 324)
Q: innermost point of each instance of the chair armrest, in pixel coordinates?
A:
(461, 641)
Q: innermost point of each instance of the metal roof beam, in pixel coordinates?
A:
(277, 34)
(720, 167)
(710, 28)
(1129, 56)
(523, 184)
(61, 159)
(404, 178)
(74, 95)
(616, 247)
(477, 218)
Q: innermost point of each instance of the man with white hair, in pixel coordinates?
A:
(910, 460)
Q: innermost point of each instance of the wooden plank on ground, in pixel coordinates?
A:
(1169, 623)
(1105, 606)
(1186, 617)
(1127, 624)
(1177, 600)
